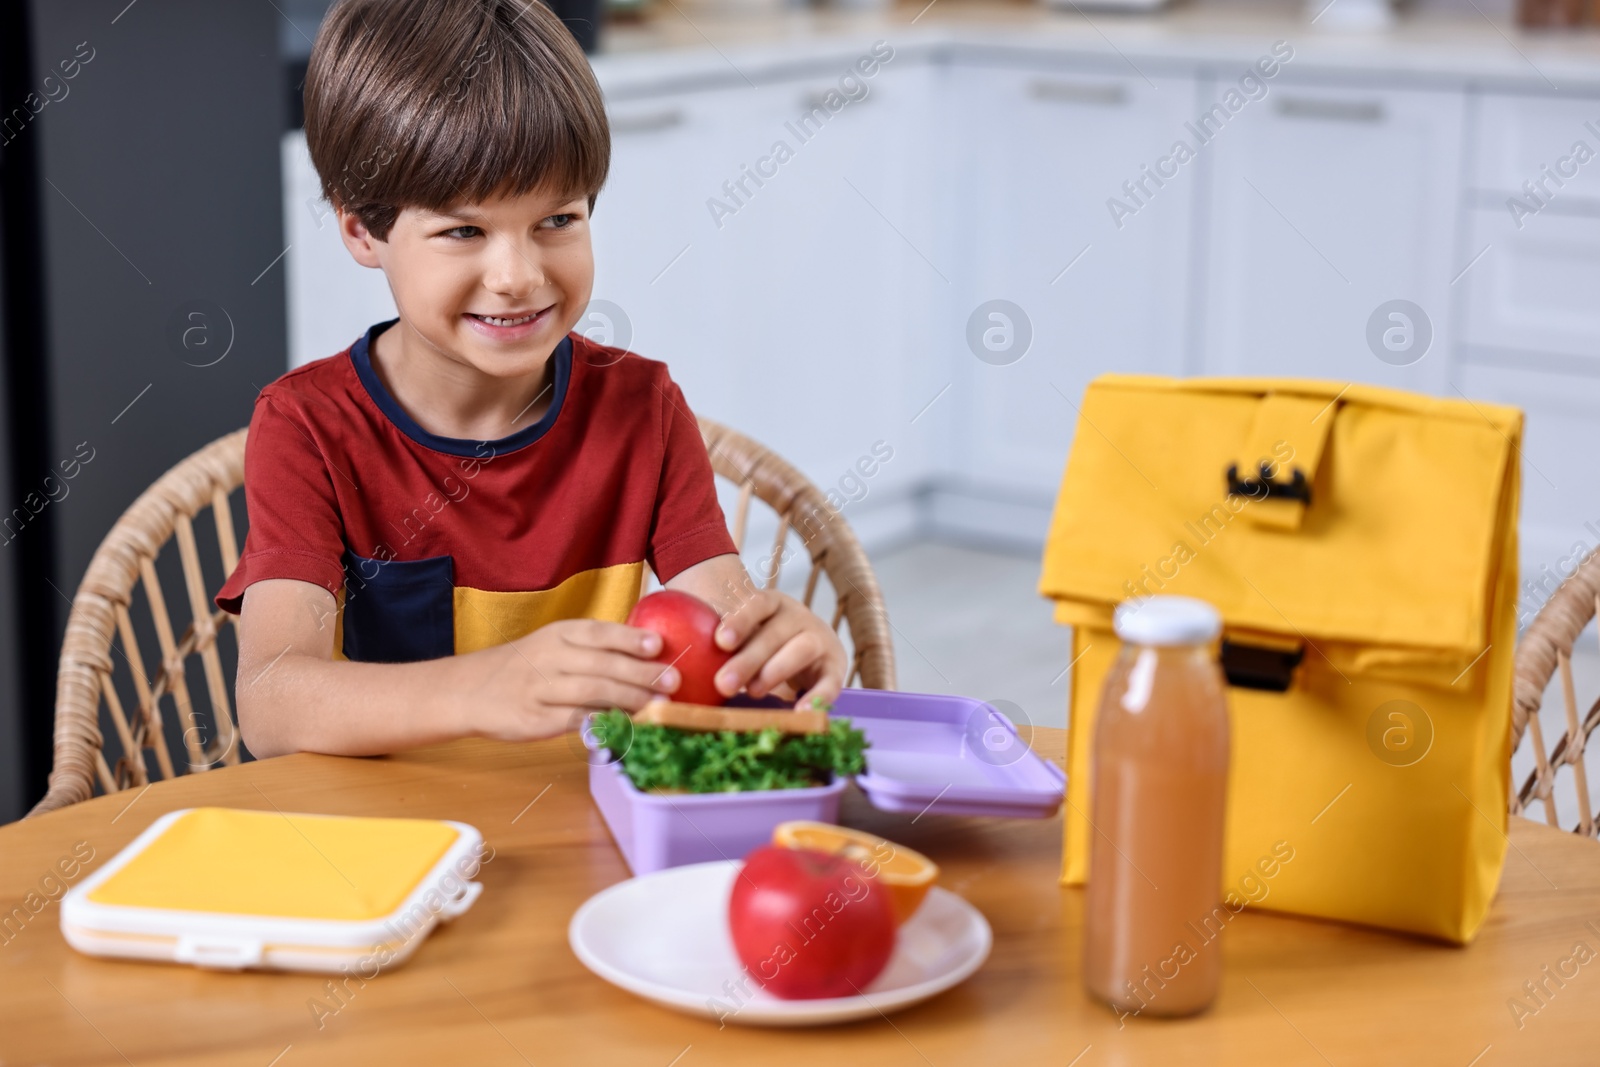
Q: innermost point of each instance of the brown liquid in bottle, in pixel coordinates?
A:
(1158, 779)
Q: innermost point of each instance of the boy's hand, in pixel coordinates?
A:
(780, 640)
(543, 683)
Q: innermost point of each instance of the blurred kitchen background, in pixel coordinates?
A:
(934, 267)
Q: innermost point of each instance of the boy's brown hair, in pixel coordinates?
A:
(431, 103)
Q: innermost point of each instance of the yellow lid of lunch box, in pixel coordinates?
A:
(233, 862)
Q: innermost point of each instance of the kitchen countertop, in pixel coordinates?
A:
(695, 39)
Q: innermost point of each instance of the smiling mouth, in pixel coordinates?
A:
(503, 321)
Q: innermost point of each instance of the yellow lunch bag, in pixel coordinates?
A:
(1361, 546)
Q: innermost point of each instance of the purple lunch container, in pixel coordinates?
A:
(928, 755)
(657, 830)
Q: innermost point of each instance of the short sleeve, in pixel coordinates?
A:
(688, 525)
(295, 528)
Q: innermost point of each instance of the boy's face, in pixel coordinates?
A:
(504, 258)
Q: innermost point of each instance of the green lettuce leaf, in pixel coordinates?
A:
(668, 759)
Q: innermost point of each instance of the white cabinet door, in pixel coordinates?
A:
(1531, 138)
(658, 289)
(1327, 204)
(827, 274)
(1038, 157)
(1532, 292)
(1530, 316)
(783, 312)
(1535, 289)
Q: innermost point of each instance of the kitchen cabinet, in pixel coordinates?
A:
(1534, 296)
(1534, 213)
(659, 288)
(1530, 322)
(788, 308)
(1029, 224)
(1327, 203)
(1522, 137)
(844, 275)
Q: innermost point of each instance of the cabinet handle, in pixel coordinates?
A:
(648, 121)
(1305, 107)
(1108, 94)
(811, 99)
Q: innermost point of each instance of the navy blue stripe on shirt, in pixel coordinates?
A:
(360, 356)
(399, 611)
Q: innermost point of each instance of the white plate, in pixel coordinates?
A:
(665, 937)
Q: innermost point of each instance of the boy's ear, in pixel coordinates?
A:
(357, 239)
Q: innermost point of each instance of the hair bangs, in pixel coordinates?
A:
(418, 103)
(511, 133)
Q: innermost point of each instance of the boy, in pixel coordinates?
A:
(450, 519)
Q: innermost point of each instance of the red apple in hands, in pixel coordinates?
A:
(810, 924)
(688, 627)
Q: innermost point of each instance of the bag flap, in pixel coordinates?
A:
(1398, 543)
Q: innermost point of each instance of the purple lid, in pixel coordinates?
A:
(944, 755)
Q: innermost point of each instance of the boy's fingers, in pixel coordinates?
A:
(754, 653)
(600, 663)
(799, 652)
(586, 693)
(825, 692)
(746, 619)
(597, 633)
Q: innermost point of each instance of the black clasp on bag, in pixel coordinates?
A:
(1254, 667)
(1296, 488)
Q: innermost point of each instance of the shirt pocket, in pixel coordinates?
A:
(398, 611)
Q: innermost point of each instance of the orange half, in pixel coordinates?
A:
(907, 875)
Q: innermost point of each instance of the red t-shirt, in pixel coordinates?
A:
(435, 545)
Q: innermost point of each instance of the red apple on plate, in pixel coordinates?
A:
(687, 626)
(809, 924)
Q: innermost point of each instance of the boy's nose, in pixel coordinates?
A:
(513, 270)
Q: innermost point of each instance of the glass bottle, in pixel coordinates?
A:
(1158, 781)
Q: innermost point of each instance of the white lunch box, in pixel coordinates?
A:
(230, 889)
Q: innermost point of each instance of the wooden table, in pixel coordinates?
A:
(500, 985)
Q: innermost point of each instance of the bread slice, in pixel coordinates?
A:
(703, 718)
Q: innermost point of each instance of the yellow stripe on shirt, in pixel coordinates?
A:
(484, 618)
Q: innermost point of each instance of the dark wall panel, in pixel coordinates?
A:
(12, 737)
(161, 208)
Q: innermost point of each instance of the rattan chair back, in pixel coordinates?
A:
(102, 657)
(805, 515)
(1544, 652)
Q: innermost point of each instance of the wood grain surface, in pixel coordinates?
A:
(501, 986)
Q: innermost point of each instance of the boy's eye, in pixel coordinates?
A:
(461, 232)
(560, 222)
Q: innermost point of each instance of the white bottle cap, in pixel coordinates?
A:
(1167, 620)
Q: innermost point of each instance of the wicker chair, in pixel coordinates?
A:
(101, 632)
(1545, 650)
